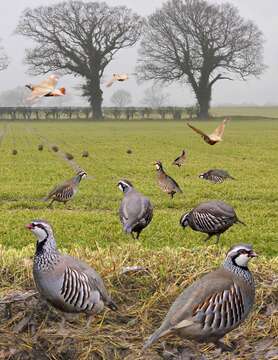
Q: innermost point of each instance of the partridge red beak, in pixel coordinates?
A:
(253, 254)
(29, 226)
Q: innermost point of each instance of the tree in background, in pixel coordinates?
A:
(154, 97)
(14, 97)
(78, 38)
(199, 43)
(121, 98)
(4, 61)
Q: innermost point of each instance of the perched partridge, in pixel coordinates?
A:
(215, 304)
(67, 283)
(216, 176)
(135, 211)
(67, 190)
(165, 182)
(211, 217)
(180, 160)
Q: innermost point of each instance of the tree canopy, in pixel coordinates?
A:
(80, 38)
(199, 43)
(4, 61)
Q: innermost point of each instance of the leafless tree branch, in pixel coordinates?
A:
(191, 40)
(78, 38)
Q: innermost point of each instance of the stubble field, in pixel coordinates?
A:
(89, 227)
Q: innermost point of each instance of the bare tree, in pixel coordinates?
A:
(4, 61)
(121, 98)
(154, 97)
(199, 43)
(78, 38)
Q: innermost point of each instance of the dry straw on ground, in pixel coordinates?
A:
(29, 329)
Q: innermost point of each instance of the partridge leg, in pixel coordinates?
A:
(207, 238)
(224, 347)
(50, 204)
(217, 238)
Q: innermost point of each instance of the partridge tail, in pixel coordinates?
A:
(153, 338)
(241, 222)
(112, 305)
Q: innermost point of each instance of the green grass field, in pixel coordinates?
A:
(250, 111)
(89, 225)
(249, 153)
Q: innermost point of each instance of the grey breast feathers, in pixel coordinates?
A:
(135, 209)
(169, 184)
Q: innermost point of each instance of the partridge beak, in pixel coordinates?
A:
(253, 254)
(29, 226)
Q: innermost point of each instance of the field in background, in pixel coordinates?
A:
(254, 111)
(89, 226)
(248, 153)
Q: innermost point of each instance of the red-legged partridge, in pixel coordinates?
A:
(67, 283)
(215, 304)
(212, 217)
(165, 182)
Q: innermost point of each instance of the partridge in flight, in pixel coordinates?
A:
(117, 77)
(46, 88)
(215, 136)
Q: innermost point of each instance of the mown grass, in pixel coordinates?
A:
(89, 226)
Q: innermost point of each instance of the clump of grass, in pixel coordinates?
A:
(31, 329)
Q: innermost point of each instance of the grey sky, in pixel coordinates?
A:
(260, 91)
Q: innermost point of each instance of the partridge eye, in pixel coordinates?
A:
(244, 252)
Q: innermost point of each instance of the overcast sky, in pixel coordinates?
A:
(256, 91)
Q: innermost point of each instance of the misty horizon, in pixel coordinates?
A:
(253, 91)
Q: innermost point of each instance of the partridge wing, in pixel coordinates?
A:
(45, 87)
(94, 280)
(63, 190)
(221, 310)
(76, 288)
(198, 131)
(213, 302)
(110, 83)
(219, 131)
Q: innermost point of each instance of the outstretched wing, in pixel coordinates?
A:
(198, 131)
(44, 87)
(49, 83)
(110, 83)
(219, 131)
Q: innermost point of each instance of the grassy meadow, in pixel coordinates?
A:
(89, 226)
(243, 111)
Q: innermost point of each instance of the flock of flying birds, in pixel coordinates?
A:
(205, 311)
(47, 88)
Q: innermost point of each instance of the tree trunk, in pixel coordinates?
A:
(94, 93)
(96, 102)
(203, 97)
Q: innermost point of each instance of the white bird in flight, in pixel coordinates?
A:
(46, 88)
(118, 77)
